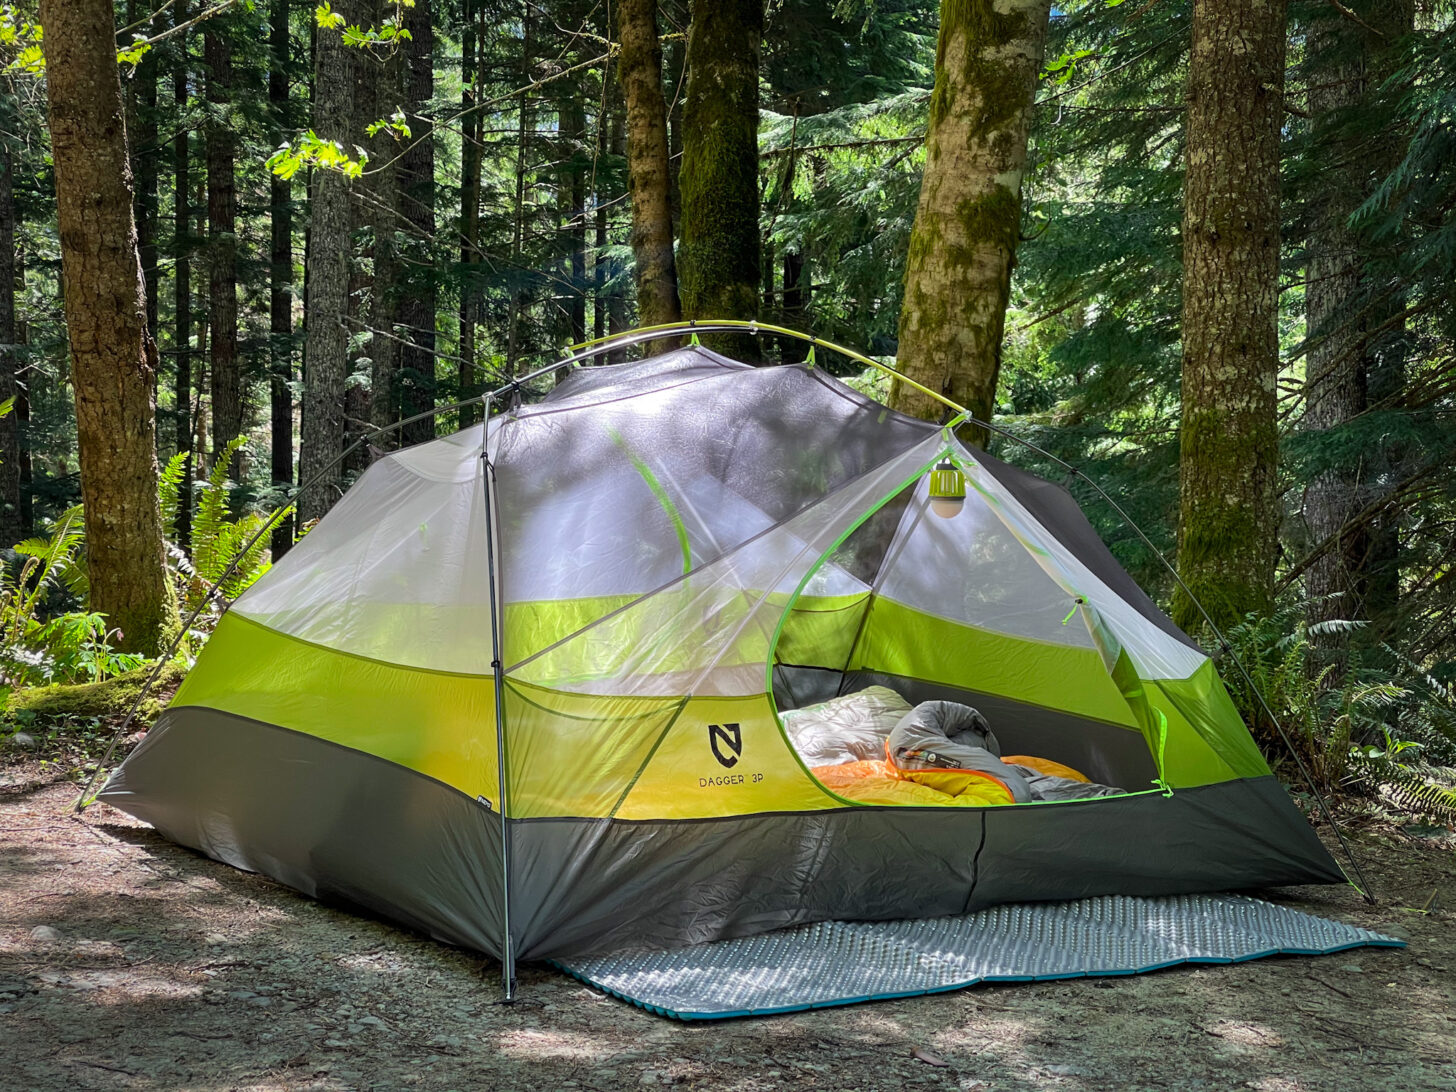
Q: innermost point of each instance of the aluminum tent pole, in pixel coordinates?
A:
(487, 472)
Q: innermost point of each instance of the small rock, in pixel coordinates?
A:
(1353, 968)
(45, 934)
(241, 995)
(23, 739)
(929, 1057)
(372, 1021)
(337, 1044)
(1065, 1070)
(260, 1002)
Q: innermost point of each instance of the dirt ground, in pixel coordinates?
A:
(169, 971)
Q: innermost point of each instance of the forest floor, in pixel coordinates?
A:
(166, 970)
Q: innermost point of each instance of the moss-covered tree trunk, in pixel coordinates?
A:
(325, 334)
(1229, 515)
(968, 221)
(113, 360)
(718, 261)
(649, 179)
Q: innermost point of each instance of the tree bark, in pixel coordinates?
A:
(182, 284)
(370, 101)
(222, 241)
(1359, 579)
(968, 220)
(12, 527)
(472, 57)
(1229, 517)
(718, 263)
(649, 179)
(572, 121)
(521, 297)
(417, 203)
(384, 349)
(280, 283)
(113, 360)
(144, 151)
(325, 335)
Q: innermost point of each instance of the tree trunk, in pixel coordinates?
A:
(968, 221)
(521, 297)
(649, 180)
(718, 271)
(144, 151)
(325, 335)
(370, 102)
(1335, 390)
(280, 283)
(12, 527)
(384, 349)
(222, 241)
(573, 132)
(417, 202)
(1229, 518)
(472, 57)
(796, 305)
(113, 361)
(182, 285)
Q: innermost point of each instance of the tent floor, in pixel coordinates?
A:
(840, 962)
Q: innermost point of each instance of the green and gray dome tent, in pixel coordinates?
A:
(677, 552)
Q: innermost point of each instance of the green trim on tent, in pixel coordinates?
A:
(1198, 708)
(900, 640)
(438, 724)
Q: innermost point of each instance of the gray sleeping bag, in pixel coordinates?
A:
(945, 735)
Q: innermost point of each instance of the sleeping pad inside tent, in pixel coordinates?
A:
(720, 591)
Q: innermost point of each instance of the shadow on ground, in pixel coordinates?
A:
(169, 971)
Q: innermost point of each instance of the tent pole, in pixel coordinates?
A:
(508, 955)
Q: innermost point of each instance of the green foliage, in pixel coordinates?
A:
(110, 697)
(311, 150)
(68, 646)
(20, 42)
(226, 548)
(1388, 725)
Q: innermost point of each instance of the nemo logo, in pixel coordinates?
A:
(726, 740)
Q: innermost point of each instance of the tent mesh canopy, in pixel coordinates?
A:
(687, 548)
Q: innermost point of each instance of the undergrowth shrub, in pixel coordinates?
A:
(1386, 729)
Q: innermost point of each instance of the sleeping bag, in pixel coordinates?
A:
(950, 747)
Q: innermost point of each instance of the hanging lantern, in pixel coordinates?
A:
(947, 489)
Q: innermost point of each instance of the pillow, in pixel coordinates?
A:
(852, 728)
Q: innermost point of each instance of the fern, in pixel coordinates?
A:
(169, 492)
(220, 543)
(1415, 788)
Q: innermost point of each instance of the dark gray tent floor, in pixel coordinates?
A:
(840, 963)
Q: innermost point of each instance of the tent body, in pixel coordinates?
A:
(521, 687)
